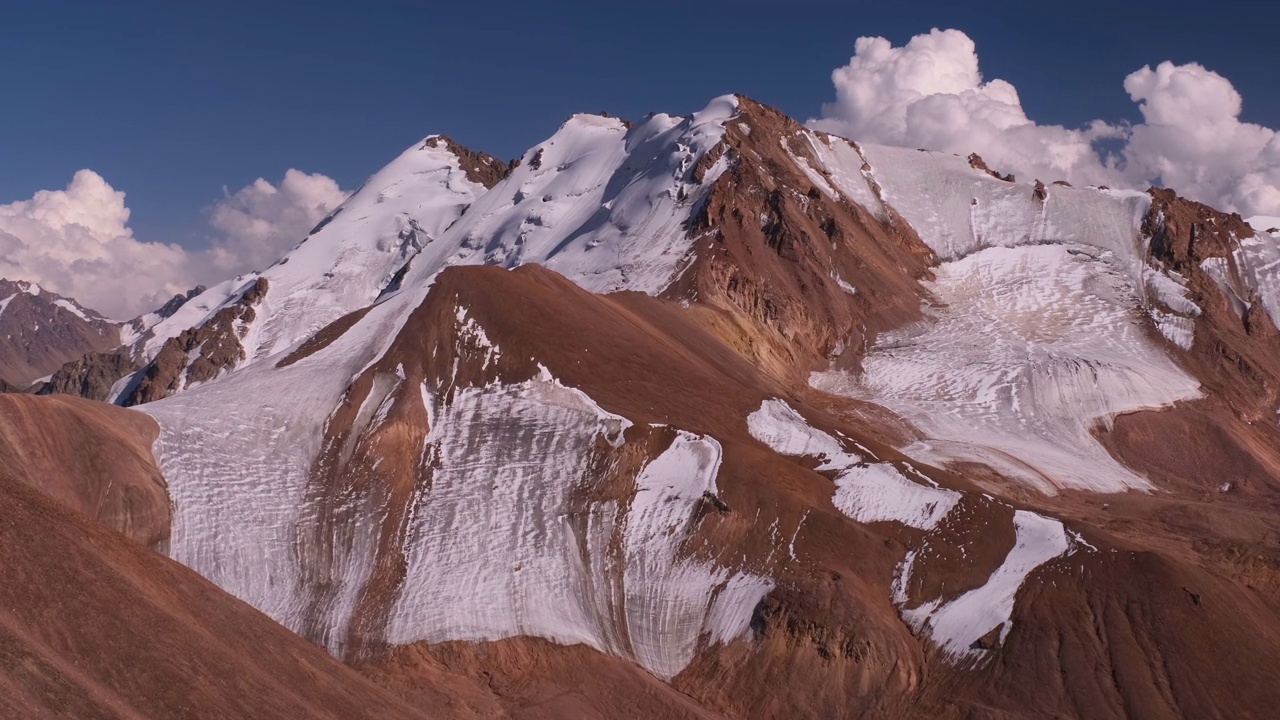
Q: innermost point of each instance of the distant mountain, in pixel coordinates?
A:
(718, 416)
(40, 331)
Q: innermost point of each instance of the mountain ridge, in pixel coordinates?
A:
(795, 425)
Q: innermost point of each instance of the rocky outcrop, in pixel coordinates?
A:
(780, 255)
(1236, 353)
(480, 168)
(199, 353)
(92, 376)
(977, 163)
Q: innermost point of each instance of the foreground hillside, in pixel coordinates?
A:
(95, 625)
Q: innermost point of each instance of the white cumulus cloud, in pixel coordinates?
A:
(930, 93)
(258, 223)
(1192, 139)
(77, 241)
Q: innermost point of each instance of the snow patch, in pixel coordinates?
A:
(72, 308)
(844, 165)
(500, 547)
(957, 626)
(875, 492)
(881, 493)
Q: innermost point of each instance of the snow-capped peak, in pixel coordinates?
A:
(347, 260)
(600, 201)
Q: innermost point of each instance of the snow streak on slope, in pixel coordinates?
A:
(866, 492)
(841, 161)
(599, 202)
(499, 546)
(502, 537)
(957, 626)
(24, 287)
(1039, 334)
(236, 457)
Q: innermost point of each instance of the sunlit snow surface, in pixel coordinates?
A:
(344, 265)
(602, 204)
(236, 457)
(865, 491)
(1038, 332)
(498, 546)
(1252, 273)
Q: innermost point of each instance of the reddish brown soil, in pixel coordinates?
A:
(92, 457)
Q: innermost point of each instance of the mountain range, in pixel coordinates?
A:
(713, 416)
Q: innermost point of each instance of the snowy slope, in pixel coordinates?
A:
(1039, 332)
(599, 202)
(345, 263)
(1254, 268)
(496, 549)
(490, 550)
(958, 624)
(866, 490)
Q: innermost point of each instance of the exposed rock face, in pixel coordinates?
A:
(200, 353)
(39, 331)
(977, 163)
(803, 273)
(177, 301)
(1236, 352)
(480, 168)
(92, 376)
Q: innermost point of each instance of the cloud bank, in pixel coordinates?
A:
(77, 241)
(260, 222)
(930, 93)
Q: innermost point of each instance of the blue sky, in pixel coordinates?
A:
(170, 102)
